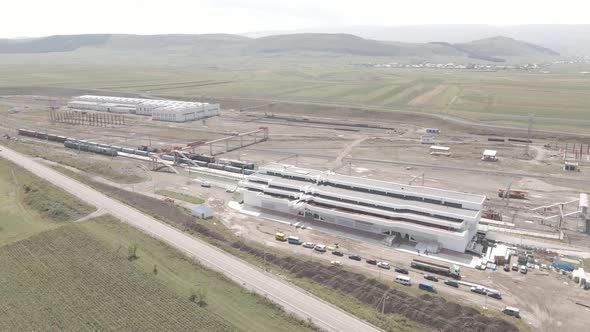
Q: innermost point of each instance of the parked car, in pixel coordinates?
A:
(402, 270)
(507, 267)
(308, 245)
(512, 311)
(479, 290)
(495, 295)
(320, 248)
(355, 257)
(514, 267)
(337, 253)
(523, 269)
(206, 184)
(372, 261)
(336, 263)
(384, 265)
(431, 277)
(452, 283)
(331, 248)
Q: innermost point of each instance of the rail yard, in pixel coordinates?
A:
(535, 200)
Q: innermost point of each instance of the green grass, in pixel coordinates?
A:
(111, 170)
(180, 196)
(239, 307)
(66, 280)
(29, 205)
(40, 252)
(560, 94)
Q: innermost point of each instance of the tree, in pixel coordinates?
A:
(132, 252)
(199, 297)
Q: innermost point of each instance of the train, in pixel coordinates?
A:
(40, 135)
(106, 147)
(90, 148)
(226, 166)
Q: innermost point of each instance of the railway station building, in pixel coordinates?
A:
(427, 216)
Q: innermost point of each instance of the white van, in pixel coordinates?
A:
(511, 311)
(403, 280)
(320, 248)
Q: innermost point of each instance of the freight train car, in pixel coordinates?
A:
(201, 157)
(215, 166)
(39, 135)
(90, 148)
(232, 169)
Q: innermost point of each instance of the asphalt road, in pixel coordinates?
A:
(290, 297)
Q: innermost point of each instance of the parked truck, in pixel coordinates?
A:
(453, 271)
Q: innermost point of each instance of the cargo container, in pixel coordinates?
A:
(445, 270)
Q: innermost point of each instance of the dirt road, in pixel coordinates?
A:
(291, 298)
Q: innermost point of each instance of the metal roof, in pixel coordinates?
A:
(382, 200)
(327, 176)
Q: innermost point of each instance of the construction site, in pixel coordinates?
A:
(529, 190)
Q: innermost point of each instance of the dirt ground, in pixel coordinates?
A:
(392, 153)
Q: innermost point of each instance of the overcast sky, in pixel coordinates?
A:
(47, 17)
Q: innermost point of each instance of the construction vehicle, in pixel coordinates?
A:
(453, 271)
(280, 236)
(513, 193)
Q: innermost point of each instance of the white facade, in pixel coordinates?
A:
(446, 218)
(161, 110)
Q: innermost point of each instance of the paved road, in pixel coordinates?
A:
(291, 298)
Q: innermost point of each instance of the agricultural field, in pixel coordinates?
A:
(30, 205)
(66, 280)
(557, 99)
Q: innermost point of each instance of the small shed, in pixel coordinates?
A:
(202, 212)
(437, 150)
(426, 139)
(489, 155)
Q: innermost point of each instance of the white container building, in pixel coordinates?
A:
(160, 110)
(448, 219)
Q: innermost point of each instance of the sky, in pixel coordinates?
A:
(34, 18)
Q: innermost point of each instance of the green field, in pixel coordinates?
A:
(560, 95)
(29, 205)
(90, 163)
(180, 196)
(62, 276)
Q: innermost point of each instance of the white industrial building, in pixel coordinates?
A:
(160, 110)
(436, 217)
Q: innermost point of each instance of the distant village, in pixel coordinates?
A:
(481, 66)
(459, 66)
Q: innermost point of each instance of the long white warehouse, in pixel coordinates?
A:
(161, 110)
(446, 219)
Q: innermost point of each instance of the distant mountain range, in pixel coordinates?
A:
(563, 38)
(495, 49)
